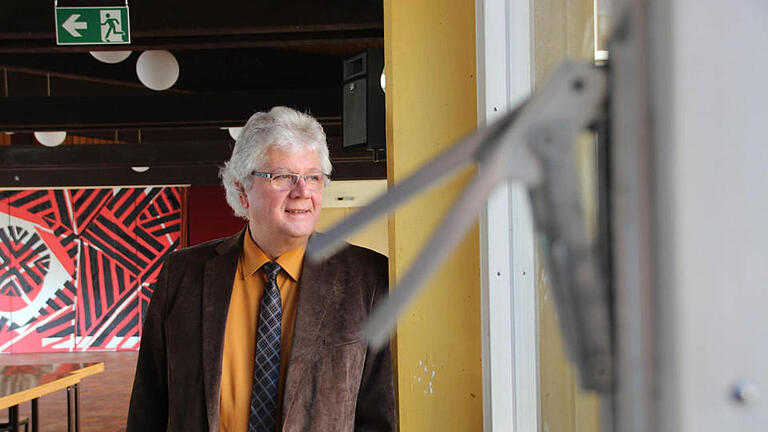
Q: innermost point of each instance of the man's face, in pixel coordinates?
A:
(284, 218)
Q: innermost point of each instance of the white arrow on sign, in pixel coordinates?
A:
(72, 25)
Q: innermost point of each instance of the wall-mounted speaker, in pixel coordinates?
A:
(363, 113)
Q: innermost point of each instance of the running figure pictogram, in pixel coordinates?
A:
(112, 23)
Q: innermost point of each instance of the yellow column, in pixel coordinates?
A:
(431, 102)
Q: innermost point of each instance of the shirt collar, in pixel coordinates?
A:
(254, 258)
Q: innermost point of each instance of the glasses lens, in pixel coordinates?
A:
(283, 181)
(315, 181)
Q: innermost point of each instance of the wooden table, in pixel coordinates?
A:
(22, 383)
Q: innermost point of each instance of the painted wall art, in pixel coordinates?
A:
(78, 266)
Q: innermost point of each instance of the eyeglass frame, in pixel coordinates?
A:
(270, 177)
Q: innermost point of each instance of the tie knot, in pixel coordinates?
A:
(271, 269)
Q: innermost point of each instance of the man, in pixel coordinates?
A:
(243, 334)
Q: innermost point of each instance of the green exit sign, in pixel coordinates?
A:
(92, 25)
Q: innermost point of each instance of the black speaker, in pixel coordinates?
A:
(363, 114)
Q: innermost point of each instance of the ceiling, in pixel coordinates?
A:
(235, 57)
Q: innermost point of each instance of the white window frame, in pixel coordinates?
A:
(508, 279)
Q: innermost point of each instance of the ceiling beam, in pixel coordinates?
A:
(160, 110)
(115, 155)
(195, 163)
(196, 175)
(327, 40)
(200, 175)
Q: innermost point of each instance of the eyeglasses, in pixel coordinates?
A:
(287, 181)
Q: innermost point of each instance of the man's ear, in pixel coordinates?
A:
(241, 194)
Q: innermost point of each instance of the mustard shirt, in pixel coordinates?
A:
(241, 328)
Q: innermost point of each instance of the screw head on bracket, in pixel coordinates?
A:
(746, 392)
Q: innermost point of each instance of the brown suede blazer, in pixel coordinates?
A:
(334, 383)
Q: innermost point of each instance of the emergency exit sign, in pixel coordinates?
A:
(92, 25)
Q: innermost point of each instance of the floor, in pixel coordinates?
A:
(103, 397)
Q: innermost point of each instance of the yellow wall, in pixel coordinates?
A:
(562, 29)
(431, 102)
(374, 236)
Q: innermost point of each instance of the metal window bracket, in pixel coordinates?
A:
(532, 144)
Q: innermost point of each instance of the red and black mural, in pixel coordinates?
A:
(78, 266)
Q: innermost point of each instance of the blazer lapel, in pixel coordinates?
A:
(314, 289)
(217, 290)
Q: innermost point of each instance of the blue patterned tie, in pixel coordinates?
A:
(266, 369)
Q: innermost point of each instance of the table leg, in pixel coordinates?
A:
(13, 418)
(34, 416)
(77, 407)
(69, 409)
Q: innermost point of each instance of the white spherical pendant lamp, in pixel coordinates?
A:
(110, 57)
(50, 139)
(158, 69)
(234, 132)
(383, 81)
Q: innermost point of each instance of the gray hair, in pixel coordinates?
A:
(282, 128)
